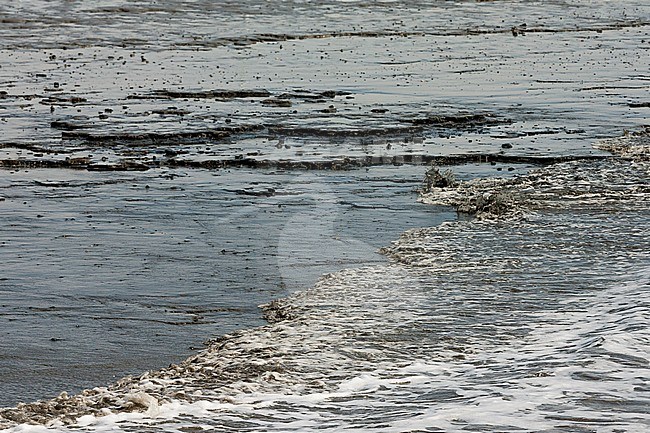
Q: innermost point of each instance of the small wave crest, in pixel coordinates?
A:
(620, 181)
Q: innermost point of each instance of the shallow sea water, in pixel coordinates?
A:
(167, 167)
(146, 266)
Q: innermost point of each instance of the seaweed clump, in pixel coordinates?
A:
(434, 178)
(493, 204)
(484, 198)
(277, 311)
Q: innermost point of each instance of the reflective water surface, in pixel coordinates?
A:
(169, 166)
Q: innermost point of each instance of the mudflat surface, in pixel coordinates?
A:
(278, 85)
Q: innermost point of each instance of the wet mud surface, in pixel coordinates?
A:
(473, 85)
(159, 180)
